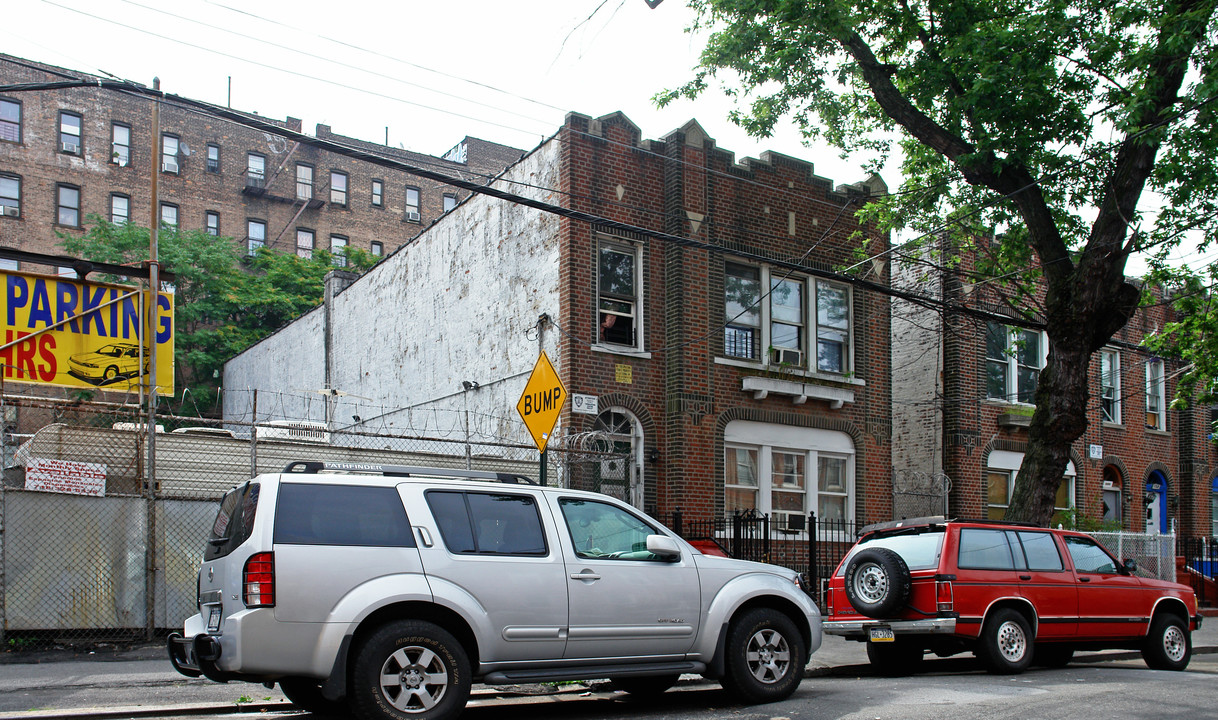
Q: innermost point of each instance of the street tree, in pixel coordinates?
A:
(1046, 119)
(225, 301)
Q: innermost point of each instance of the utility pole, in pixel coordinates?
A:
(154, 287)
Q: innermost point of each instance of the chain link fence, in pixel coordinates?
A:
(1155, 554)
(94, 547)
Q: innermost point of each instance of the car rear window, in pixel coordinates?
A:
(355, 515)
(488, 523)
(919, 550)
(234, 521)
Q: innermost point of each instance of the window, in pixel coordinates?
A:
(169, 154)
(10, 196)
(255, 170)
(606, 532)
(487, 523)
(10, 120)
(1039, 551)
(1156, 418)
(120, 144)
(338, 188)
(211, 222)
(378, 193)
(779, 327)
(120, 209)
(69, 133)
(338, 248)
(304, 182)
(304, 243)
(767, 469)
(341, 515)
(1089, 557)
(617, 294)
(1002, 468)
(255, 233)
(169, 215)
(67, 204)
(213, 158)
(742, 307)
(1214, 509)
(985, 550)
(412, 204)
(450, 201)
(378, 248)
(1110, 385)
(1013, 360)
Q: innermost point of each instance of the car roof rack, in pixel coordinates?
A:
(311, 466)
(903, 523)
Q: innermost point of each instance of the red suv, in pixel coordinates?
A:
(1010, 593)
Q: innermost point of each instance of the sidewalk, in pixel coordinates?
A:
(140, 682)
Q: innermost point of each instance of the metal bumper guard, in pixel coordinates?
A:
(859, 628)
(195, 656)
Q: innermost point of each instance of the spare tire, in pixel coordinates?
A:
(877, 582)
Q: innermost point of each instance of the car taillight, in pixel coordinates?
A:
(259, 580)
(944, 601)
(829, 601)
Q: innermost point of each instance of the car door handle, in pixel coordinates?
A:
(1025, 577)
(585, 575)
(1084, 579)
(424, 537)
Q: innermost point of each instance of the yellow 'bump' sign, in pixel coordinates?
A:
(542, 401)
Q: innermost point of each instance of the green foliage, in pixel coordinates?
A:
(225, 301)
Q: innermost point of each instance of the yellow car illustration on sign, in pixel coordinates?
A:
(108, 363)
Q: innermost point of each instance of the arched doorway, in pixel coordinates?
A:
(1110, 496)
(1156, 503)
(622, 475)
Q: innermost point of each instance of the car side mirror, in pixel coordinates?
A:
(663, 547)
(1129, 567)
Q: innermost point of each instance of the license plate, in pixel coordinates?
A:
(881, 634)
(213, 618)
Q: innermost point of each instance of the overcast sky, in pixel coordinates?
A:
(431, 72)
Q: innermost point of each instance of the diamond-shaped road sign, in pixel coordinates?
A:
(542, 401)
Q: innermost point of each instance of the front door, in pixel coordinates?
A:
(623, 602)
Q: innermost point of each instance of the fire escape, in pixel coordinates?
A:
(302, 195)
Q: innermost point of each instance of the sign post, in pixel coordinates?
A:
(540, 405)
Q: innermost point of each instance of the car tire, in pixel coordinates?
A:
(1169, 644)
(430, 671)
(765, 657)
(877, 582)
(645, 685)
(1052, 655)
(895, 659)
(305, 693)
(110, 374)
(1005, 645)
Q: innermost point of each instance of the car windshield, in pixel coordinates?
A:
(919, 549)
(111, 350)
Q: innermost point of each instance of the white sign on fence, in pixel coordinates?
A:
(584, 404)
(65, 476)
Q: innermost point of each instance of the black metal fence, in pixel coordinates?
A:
(804, 543)
(1200, 555)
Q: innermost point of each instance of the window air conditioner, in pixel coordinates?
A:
(412, 216)
(169, 166)
(10, 210)
(786, 356)
(70, 148)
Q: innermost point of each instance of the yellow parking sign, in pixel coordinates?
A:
(542, 400)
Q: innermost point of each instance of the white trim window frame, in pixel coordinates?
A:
(1005, 464)
(619, 297)
(1156, 394)
(255, 235)
(1014, 359)
(306, 240)
(796, 315)
(120, 144)
(304, 181)
(1110, 385)
(788, 472)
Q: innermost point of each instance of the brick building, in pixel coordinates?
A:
(693, 297)
(68, 153)
(963, 387)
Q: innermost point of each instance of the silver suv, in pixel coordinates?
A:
(387, 591)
